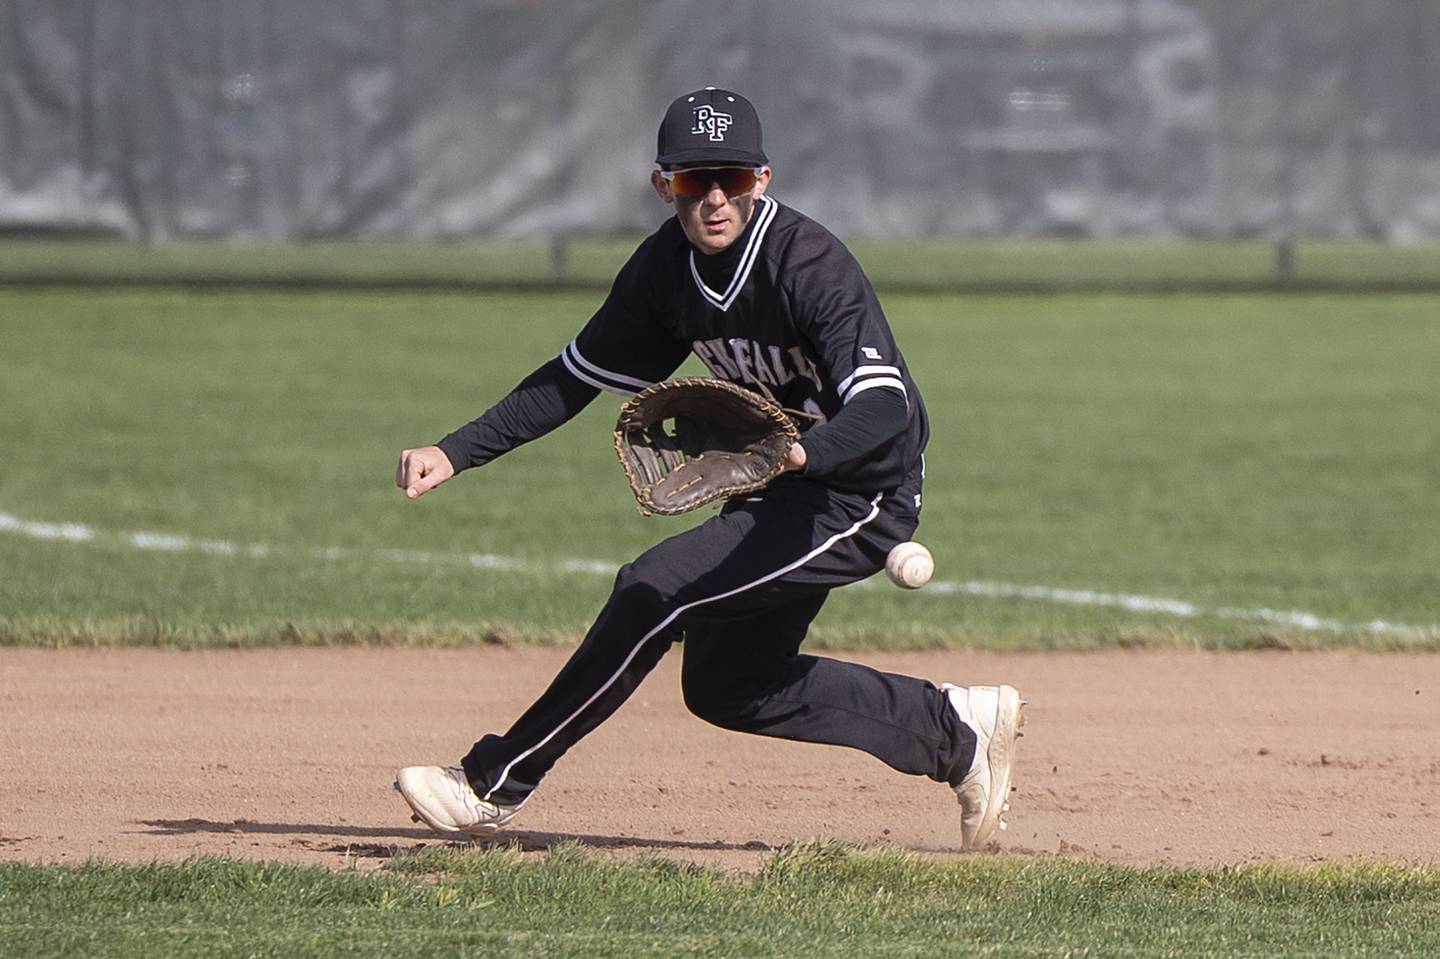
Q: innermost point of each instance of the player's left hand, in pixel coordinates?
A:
(794, 458)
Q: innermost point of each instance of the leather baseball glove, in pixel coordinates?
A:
(692, 440)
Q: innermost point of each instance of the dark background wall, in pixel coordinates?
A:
(415, 119)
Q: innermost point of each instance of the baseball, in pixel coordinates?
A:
(910, 565)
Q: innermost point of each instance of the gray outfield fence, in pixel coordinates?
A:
(279, 120)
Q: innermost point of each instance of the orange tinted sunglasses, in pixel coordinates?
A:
(698, 181)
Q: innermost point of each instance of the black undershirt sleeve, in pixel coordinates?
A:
(541, 402)
(868, 420)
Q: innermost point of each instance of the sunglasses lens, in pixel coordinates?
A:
(733, 181)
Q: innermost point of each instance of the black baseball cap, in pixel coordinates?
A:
(710, 125)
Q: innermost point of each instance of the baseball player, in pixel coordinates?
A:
(764, 296)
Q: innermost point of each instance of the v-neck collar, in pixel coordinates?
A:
(740, 257)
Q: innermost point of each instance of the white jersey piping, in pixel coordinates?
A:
(766, 214)
(602, 379)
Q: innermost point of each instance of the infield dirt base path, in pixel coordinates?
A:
(288, 754)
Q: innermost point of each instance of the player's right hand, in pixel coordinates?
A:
(422, 469)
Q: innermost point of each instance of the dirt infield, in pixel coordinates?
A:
(1141, 758)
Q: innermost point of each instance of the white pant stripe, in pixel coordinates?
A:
(874, 511)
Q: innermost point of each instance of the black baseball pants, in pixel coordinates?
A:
(740, 590)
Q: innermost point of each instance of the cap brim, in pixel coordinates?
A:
(715, 154)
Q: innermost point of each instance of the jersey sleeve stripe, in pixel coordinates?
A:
(600, 378)
(866, 371)
(590, 380)
(892, 382)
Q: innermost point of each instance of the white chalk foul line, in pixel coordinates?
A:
(1185, 610)
(175, 543)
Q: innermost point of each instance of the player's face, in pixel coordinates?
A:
(712, 207)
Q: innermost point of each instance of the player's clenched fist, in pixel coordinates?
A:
(423, 469)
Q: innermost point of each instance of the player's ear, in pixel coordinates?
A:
(661, 187)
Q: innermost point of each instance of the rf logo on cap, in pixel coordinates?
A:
(710, 127)
(707, 120)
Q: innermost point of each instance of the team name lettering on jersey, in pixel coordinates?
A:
(746, 361)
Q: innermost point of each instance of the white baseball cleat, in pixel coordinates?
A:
(996, 714)
(443, 800)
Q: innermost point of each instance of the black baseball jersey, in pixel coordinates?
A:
(786, 307)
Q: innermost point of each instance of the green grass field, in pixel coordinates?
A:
(989, 265)
(1250, 455)
(197, 468)
(816, 899)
